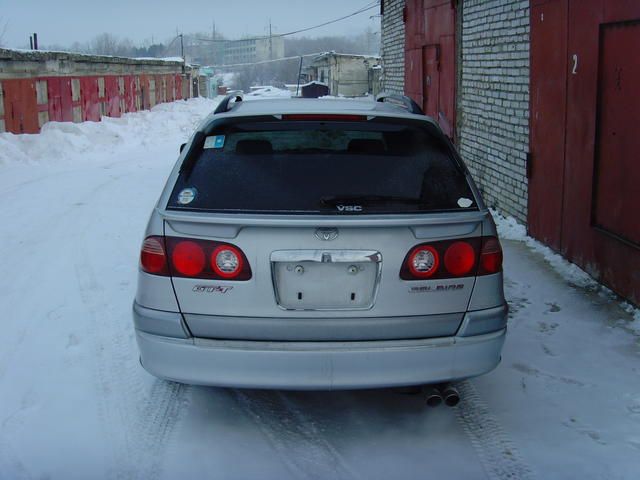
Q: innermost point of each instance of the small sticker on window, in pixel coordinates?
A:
(464, 202)
(216, 141)
(186, 196)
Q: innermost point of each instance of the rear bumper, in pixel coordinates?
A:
(319, 365)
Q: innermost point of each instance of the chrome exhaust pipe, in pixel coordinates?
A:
(450, 395)
(433, 395)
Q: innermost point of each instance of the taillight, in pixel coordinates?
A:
(193, 258)
(226, 261)
(490, 256)
(423, 261)
(459, 259)
(188, 258)
(152, 256)
(324, 117)
(453, 259)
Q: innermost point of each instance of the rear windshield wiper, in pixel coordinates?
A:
(368, 199)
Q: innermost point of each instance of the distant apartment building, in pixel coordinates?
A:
(252, 50)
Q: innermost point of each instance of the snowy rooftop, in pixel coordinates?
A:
(350, 55)
(42, 55)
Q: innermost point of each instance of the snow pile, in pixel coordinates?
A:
(363, 98)
(635, 313)
(509, 229)
(268, 92)
(227, 79)
(62, 142)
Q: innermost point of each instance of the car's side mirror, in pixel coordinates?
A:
(182, 147)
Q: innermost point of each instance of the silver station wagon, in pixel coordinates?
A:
(320, 244)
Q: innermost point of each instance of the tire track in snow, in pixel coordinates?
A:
(293, 435)
(138, 421)
(60, 221)
(163, 409)
(499, 456)
(138, 418)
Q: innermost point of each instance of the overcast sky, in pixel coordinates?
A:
(64, 21)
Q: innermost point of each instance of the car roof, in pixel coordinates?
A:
(281, 106)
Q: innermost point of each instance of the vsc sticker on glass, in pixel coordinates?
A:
(215, 141)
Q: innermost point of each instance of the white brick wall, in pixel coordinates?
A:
(393, 47)
(493, 102)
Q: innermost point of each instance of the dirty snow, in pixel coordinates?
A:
(75, 403)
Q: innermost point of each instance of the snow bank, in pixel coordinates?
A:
(227, 79)
(61, 142)
(510, 229)
(268, 92)
(363, 98)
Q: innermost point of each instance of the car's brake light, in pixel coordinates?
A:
(322, 117)
(193, 258)
(452, 259)
(187, 258)
(490, 256)
(460, 258)
(152, 256)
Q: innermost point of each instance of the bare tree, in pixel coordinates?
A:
(104, 44)
(108, 44)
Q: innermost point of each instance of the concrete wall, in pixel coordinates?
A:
(493, 99)
(36, 63)
(392, 46)
(347, 75)
(351, 77)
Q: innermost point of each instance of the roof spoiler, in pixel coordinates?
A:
(227, 103)
(400, 100)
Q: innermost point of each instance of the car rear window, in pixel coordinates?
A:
(322, 168)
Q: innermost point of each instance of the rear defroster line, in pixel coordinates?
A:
(499, 456)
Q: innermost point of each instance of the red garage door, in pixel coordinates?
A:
(20, 106)
(430, 58)
(585, 135)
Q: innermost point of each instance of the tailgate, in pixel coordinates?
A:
(300, 277)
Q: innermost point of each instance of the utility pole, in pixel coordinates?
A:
(270, 42)
(214, 46)
(299, 75)
(184, 61)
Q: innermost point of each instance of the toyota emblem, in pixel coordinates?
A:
(327, 234)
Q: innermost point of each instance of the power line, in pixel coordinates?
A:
(367, 7)
(171, 44)
(268, 61)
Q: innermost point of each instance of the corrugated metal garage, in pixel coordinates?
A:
(37, 87)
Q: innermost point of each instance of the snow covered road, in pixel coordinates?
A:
(75, 403)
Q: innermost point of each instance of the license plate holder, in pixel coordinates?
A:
(325, 279)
